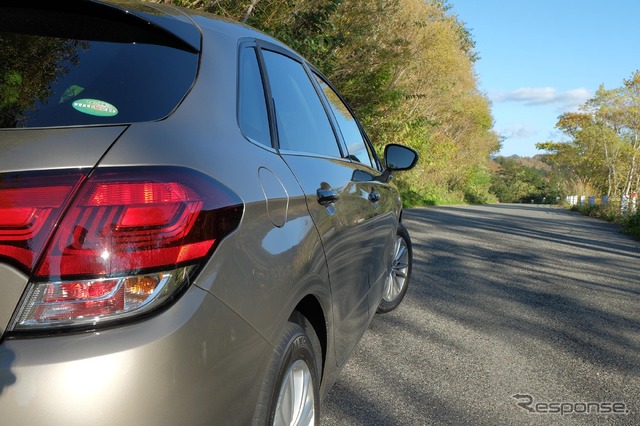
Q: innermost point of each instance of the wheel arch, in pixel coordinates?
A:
(311, 309)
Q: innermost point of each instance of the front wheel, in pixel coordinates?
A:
(398, 280)
(290, 393)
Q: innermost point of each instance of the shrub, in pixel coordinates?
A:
(611, 213)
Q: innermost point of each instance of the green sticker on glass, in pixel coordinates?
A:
(95, 107)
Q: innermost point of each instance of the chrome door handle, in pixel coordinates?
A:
(327, 196)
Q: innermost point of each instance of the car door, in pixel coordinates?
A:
(385, 203)
(339, 206)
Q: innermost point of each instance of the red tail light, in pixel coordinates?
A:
(127, 241)
(30, 206)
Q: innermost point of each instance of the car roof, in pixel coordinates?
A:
(173, 19)
(167, 17)
(68, 20)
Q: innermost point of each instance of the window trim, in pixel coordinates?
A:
(365, 137)
(271, 109)
(260, 45)
(246, 43)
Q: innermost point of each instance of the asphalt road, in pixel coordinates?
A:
(505, 300)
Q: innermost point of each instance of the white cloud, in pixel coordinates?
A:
(519, 131)
(532, 96)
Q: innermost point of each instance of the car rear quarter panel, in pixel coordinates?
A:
(45, 149)
(196, 358)
(262, 270)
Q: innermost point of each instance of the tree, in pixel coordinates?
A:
(425, 95)
(631, 131)
(603, 149)
(522, 180)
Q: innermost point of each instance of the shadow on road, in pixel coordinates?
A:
(559, 292)
(576, 287)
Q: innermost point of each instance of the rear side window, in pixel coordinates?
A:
(84, 75)
(252, 107)
(302, 121)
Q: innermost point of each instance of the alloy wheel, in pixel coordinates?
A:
(296, 402)
(399, 269)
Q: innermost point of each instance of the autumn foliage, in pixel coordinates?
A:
(601, 151)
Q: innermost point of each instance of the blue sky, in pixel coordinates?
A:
(540, 58)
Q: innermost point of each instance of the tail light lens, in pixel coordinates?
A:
(30, 206)
(127, 243)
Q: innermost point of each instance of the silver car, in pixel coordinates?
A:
(194, 228)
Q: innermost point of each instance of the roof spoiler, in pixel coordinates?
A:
(100, 21)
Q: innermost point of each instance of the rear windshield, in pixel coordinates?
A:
(47, 80)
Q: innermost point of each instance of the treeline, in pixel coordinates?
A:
(523, 180)
(601, 155)
(406, 67)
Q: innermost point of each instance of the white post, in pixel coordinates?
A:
(624, 204)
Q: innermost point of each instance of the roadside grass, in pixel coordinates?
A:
(610, 213)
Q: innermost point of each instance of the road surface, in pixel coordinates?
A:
(516, 314)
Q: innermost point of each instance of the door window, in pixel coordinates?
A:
(301, 119)
(356, 144)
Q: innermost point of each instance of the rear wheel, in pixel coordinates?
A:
(290, 394)
(400, 273)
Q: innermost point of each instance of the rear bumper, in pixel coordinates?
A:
(196, 363)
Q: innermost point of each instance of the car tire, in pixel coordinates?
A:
(397, 281)
(290, 393)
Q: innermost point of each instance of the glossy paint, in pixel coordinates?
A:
(203, 359)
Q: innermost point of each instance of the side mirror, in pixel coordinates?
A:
(397, 158)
